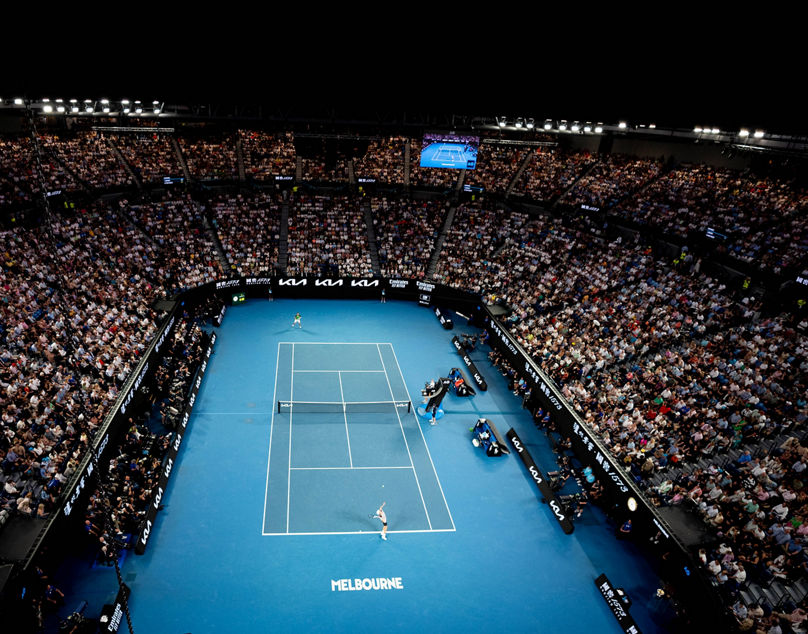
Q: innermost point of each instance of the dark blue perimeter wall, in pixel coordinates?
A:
(258, 538)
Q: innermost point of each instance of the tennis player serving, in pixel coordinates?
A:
(297, 321)
(381, 515)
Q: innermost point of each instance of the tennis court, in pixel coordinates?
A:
(343, 439)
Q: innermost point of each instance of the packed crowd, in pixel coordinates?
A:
(551, 172)
(327, 236)
(18, 172)
(74, 320)
(150, 154)
(235, 218)
(88, 157)
(691, 198)
(406, 232)
(612, 178)
(267, 155)
(384, 161)
(212, 157)
(186, 254)
(496, 166)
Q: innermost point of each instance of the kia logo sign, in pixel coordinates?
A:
(557, 510)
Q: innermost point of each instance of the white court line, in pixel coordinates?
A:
(289, 466)
(234, 413)
(332, 343)
(269, 455)
(417, 424)
(345, 468)
(341, 371)
(345, 416)
(414, 471)
(368, 532)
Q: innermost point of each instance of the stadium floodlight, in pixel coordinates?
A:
(60, 101)
(18, 102)
(126, 109)
(562, 126)
(531, 123)
(106, 109)
(74, 109)
(47, 108)
(587, 128)
(139, 110)
(88, 109)
(502, 121)
(697, 130)
(125, 102)
(60, 108)
(622, 125)
(575, 127)
(652, 126)
(599, 128)
(74, 101)
(759, 134)
(105, 101)
(155, 102)
(548, 125)
(743, 132)
(88, 101)
(45, 100)
(519, 122)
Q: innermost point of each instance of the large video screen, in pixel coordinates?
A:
(450, 151)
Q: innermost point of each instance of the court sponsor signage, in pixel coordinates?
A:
(616, 605)
(374, 583)
(112, 615)
(398, 283)
(228, 284)
(541, 482)
(171, 456)
(475, 373)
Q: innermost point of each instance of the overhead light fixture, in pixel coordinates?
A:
(88, 109)
(47, 108)
(599, 129)
(60, 101)
(743, 132)
(74, 101)
(139, 110)
(531, 123)
(587, 128)
(106, 109)
(697, 130)
(502, 122)
(548, 125)
(18, 102)
(519, 122)
(125, 102)
(126, 110)
(562, 126)
(759, 134)
(622, 125)
(74, 108)
(652, 126)
(715, 131)
(45, 100)
(105, 101)
(60, 108)
(575, 127)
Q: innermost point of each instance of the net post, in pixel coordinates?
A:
(279, 407)
(409, 407)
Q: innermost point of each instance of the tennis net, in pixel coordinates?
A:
(340, 407)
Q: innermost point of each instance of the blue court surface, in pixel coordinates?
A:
(268, 520)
